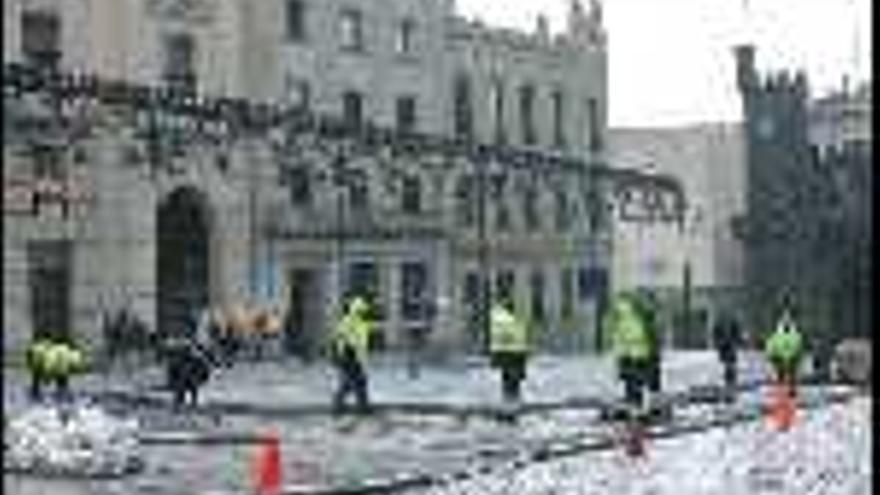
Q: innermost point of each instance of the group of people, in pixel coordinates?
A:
(630, 328)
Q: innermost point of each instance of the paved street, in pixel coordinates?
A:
(321, 450)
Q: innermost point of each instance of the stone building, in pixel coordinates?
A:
(176, 213)
(806, 227)
(709, 160)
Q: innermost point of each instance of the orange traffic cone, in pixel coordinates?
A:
(267, 466)
(782, 407)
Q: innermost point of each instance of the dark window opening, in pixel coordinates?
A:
(502, 212)
(563, 212)
(41, 38)
(295, 20)
(406, 114)
(566, 293)
(351, 25)
(179, 57)
(505, 284)
(414, 285)
(498, 106)
(405, 35)
(465, 201)
(558, 119)
(363, 281)
(299, 185)
(537, 286)
(463, 116)
(49, 277)
(530, 209)
(359, 193)
(595, 131)
(352, 108)
(526, 109)
(411, 197)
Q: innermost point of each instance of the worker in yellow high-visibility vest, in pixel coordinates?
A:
(509, 349)
(350, 346)
(630, 345)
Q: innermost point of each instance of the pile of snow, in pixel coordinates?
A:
(76, 440)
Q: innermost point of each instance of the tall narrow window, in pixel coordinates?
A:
(351, 30)
(526, 112)
(505, 286)
(470, 295)
(502, 217)
(462, 110)
(41, 38)
(465, 201)
(352, 108)
(295, 20)
(530, 209)
(414, 285)
(498, 112)
(363, 280)
(566, 293)
(563, 212)
(49, 277)
(537, 290)
(558, 119)
(471, 290)
(299, 185)
(359, 191)
(179, 58)
(594, 123)
(411, 198)
(405, 33)
(406, 114)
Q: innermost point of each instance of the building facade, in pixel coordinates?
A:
(807, 227)
(170, 213)
(709, 160)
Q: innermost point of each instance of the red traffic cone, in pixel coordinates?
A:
(267, 466)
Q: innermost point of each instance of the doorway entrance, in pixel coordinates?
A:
(49, 273)
(181, 261)
(302, 323)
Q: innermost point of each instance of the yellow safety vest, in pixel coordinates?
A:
(507, 334)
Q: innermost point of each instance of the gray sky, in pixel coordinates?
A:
(670, 60)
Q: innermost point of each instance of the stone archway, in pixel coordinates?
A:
(182, 259)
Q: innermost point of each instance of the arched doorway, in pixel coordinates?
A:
(182, 260)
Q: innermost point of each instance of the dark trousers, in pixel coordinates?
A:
(634, 374)
(38, 381)
(513, 370)
(729, 372)
(352, 380)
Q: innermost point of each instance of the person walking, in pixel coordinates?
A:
(508, 349)
(349, 350)
(630, 345)
(728, 340)
(784, 350)
(188, 369)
